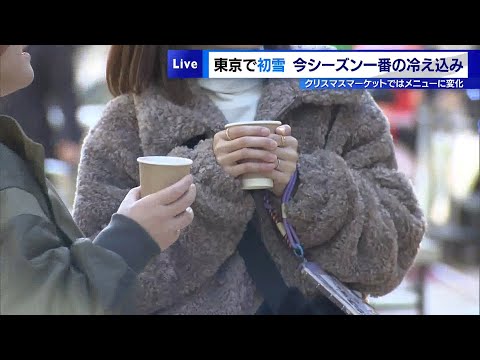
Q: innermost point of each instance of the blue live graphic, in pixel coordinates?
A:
(183, 64)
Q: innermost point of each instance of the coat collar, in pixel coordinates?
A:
(164, 125)
(12, 135)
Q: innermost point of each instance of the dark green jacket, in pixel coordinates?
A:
(46, 264)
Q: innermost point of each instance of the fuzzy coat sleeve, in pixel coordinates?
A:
(222, 210)
(353, 211)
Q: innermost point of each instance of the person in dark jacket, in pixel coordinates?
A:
(47, 266)
(53, 85)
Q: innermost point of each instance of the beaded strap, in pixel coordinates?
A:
(286, 229)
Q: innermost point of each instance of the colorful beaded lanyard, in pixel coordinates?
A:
(284, 227)
(290, 236)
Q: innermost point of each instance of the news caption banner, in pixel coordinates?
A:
(335, 69)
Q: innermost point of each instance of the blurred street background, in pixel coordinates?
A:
(436, 134)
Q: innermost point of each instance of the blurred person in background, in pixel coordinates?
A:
(47, 264)
(53, 85)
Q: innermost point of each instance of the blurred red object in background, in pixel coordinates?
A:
(402, 105)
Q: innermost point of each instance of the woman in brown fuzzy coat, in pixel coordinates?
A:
(354, 213)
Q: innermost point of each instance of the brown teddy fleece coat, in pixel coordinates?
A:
(354, 212)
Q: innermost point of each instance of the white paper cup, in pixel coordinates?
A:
(256, 181)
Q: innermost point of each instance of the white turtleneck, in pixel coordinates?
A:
(236, 98)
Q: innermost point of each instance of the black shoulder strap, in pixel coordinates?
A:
(261, 268)
(281, 299)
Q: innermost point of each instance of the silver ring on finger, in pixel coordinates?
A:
(278, 164)
(228, 135)
(283, 141)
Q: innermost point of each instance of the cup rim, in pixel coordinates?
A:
(167, 160)
(257, 123)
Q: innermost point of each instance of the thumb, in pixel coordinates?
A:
(133, 195)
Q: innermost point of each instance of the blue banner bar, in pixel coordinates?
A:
(194, 63)
(351, 84)
(474, 64)
(205, 73)
(319, 84)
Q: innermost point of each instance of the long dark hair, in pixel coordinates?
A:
(133, 68)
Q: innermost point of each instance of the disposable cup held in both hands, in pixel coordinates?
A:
(256, 181)
(160, 172)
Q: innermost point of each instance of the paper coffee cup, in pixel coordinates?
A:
(160, 172)
(256, 181)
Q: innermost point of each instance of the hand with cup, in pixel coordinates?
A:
(240, 154)
(287, 158)
(161, 205)
(162, 214)
(245, 150)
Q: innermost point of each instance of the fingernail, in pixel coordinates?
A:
(192, 187)
(189, 210)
